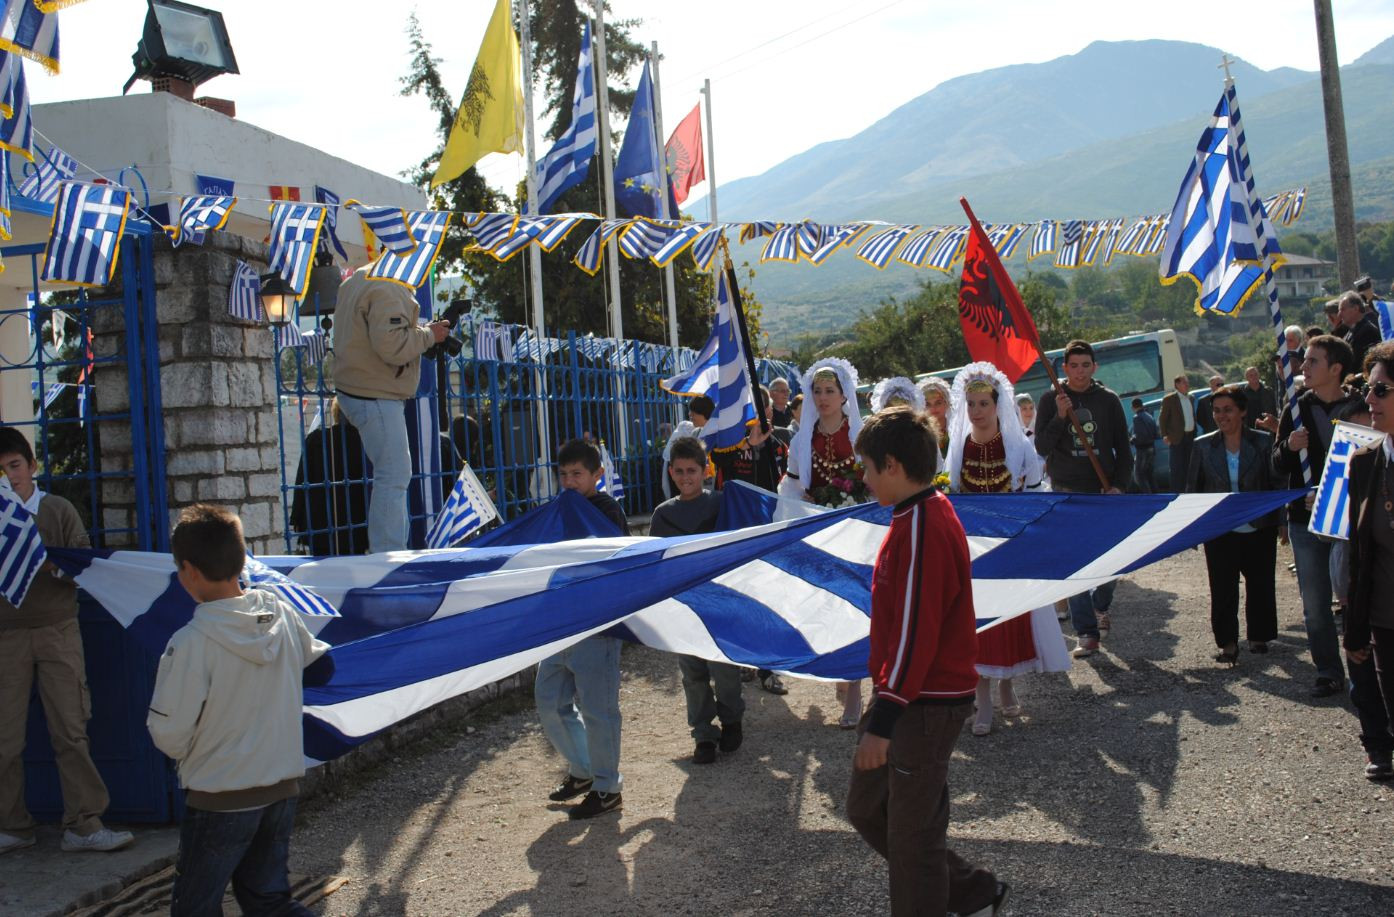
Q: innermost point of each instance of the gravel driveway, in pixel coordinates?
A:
(1148, 780)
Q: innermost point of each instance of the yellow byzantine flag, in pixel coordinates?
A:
(490, 119)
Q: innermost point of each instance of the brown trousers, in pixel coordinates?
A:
(53, 654)
(902, 811)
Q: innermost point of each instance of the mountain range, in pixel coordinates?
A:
(1106, 132)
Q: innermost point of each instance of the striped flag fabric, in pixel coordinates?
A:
(17, 129)
(559, 227)
(792, 596)
(493, 341)
(588, 256)
(782, 244)
(1127, 244)
(644, 238)
(1157, 240)
(1384, 311)
(316, 344)
(1331, 511)
(1043, 242)
(565, 166)
(51, 169)
(6, 207)
(244, 294)
(411, 270)
(704, 249)
(330, 200)
(466, 509)
(720, 374)
(525, 231)
(878, 250)
(85, 240)
(917, 250)
(758, 230)
(288, 334)
(200, 214)
(22, 553)
(948, 249)
(832, 239)
(610, 480)
(678, 242)
(295, 230)
(257, 575)
(30, 28)
(491, 229)
(388, 225)
(1067, 253)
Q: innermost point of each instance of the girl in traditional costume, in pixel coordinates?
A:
(989, 452)
(896, 390)
(937, 400)
(821, 460)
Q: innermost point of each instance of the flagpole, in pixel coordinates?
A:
(607, 171)
(711, 155)
(669, 286)
(534, 255)
(1079, 433)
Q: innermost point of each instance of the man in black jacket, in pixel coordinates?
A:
(1357, 329)
(1328, 361)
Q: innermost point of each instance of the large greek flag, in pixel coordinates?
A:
(1331, 511)
(565, 166)
(417, 628)
(85, 240)
(720, 374)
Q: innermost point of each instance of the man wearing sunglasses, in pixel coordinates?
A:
(1327, 362)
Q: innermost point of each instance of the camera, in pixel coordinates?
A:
(452, 345)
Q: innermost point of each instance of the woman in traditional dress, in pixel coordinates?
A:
(989, 452)
(896, 390)
(937, 398)
(821, 454)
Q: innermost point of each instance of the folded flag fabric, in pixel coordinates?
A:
(610, 480)
(200, 214)
(22, 554)
(244, 294)
(466, 509)
(51, 169)
(85, 240)
(388, 225)
(1331, 511)
(295, 230)
(418, 628)
(1385, 311)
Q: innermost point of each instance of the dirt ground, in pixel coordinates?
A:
(1147, 780)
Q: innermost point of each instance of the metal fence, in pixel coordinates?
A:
(505, 405)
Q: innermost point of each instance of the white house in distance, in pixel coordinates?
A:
(1302, 278)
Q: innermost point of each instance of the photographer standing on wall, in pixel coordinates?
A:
(378, 344)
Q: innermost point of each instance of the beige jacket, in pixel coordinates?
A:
(378, 341)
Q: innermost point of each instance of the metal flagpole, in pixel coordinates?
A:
(711, 155)
(607, 169)
(544, 446)
(669, 285)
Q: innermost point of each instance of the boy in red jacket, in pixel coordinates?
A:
(923, 646)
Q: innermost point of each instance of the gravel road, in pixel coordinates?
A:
(1148, 780)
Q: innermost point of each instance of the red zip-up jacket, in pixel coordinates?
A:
(924, 638)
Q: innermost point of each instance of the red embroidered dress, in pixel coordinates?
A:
(832, 457)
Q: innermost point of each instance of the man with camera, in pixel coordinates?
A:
(378, 345)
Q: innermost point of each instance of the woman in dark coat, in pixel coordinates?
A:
(1232, 459)
(329, 510)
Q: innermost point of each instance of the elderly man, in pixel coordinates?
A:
(1205, 417)
(1259, 398)
(1178, 428)
(1356, 328)
(779, 396)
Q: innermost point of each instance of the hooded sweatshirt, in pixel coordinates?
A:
(228, 698)
(1101, 415)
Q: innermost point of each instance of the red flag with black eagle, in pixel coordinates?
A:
(996, 326)
(686, 164)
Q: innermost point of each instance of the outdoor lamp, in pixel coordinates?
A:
(183, 41)
(277, 298)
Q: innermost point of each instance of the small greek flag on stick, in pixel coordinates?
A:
(1331, 511)
(244, 296)
(21, 551)
(610, 480)
(467, 508)
(200, 214)
(295, 230)
(85, 240)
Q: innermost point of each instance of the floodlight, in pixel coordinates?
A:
(182, 41)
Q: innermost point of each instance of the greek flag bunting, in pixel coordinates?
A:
(678, 242)
(758, 230)
(948, 249)
(1127, 244)
(1384, 311)
(295, 229)
(466, 509)
(878, 250)
(244, 295)
(491, 229)
(782, 244)
(26, 29)
(411, 270)
(705, 247)
(6, 226)
(1110, 243)
(559, 227)
(566, 165)
(316, 344)
(84, 242)
(530, 347)
(288, 334)
(17, 129)
(645, 238)
(1331, 511)
(525, 230)
(1071, 240)
(330, 200)
(388, 225)
(51, 169)
(917, 250)
(22, 553)
(493, 341)
(588, 256)
(720, 374)
(198, 215)
(1043, 242)
(832, 238)
(10, 64)
(1157, 241)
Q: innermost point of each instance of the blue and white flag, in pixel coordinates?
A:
(85, 241)
(880, 248)
(1043, 242)
(1067, 254)
(257, 575)
(493, 341)
(388, 225)
(17, 130)
(588, 255)
(244, 295)
(288, 334)
(1385, 312)
(678, 242)
(948, 249)
(213, 185)
(199, 215)
(316, 344)
(791, 596)
(782, 244)
(22, 554)
(566, 165)
(466, 509)
(295, 229)
(51, 169)
(720, 374)
(1127, 245)
(411, 270)
(330, 200)
(1331, 511)
(833, 238)
(917, 250)
(705, 248)
(610, 480)
(27, 29)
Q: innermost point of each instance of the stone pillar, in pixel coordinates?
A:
(217, 392)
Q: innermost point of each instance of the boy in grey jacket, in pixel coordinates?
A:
(227, 708)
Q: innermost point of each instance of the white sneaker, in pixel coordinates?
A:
(103, 841)
(9, 842)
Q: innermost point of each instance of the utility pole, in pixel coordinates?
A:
(544, 446)
(1337, 153)
(711, 155)
(669, 286)
(607, 165)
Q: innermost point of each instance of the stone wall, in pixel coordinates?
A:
(218, 393)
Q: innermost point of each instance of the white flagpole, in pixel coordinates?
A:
(711, 155)
(669, 284)
(607, 167)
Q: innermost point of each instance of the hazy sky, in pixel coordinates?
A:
(786, 74)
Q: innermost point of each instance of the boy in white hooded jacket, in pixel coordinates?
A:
(227, 708)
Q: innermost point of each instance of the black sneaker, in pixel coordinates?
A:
(597, 803)
(999, 900)
(730, 737)
(1379, 769)
(570, 788)
(1325, 687)
(704, 753)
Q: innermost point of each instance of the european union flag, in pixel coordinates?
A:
(638, 170)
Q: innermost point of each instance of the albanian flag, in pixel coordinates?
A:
(996, 326)
(686, 165)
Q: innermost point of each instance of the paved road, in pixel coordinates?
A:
(1145, 781)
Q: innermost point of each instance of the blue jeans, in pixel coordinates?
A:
(1313, 557)
(382, 425)
(1084, 608)
(248, 848)
(578, 703)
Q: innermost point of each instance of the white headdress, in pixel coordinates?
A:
(801, 448)
(896, 387)
(1021, 454)
(935, 384)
